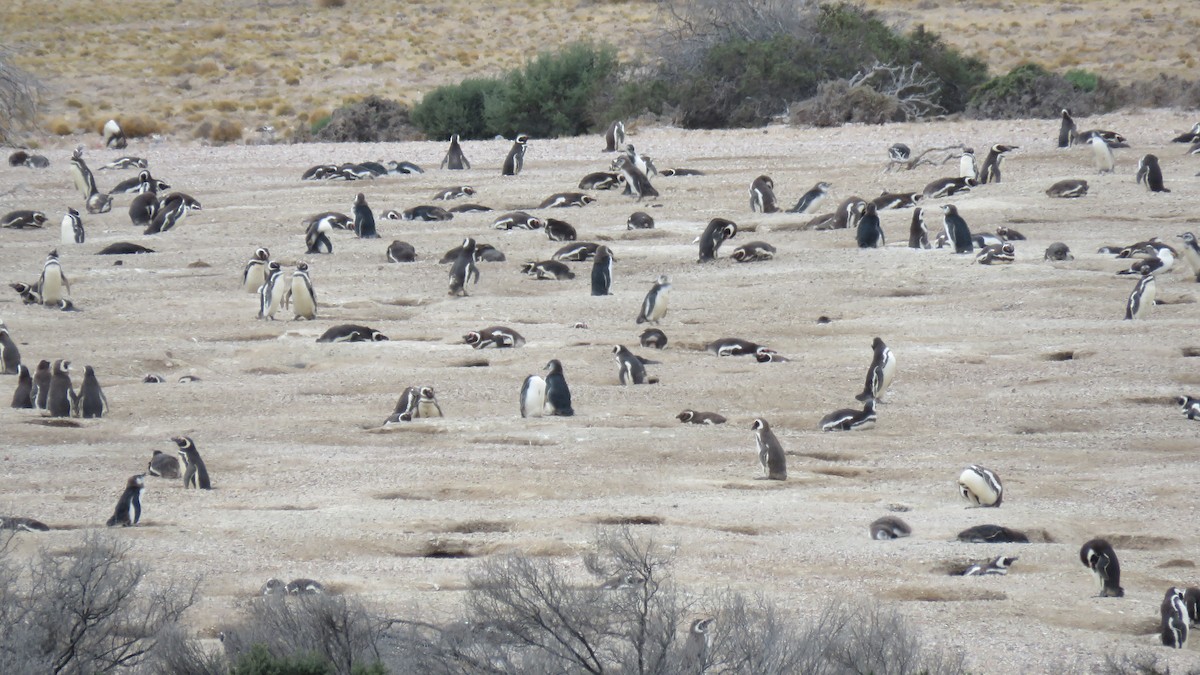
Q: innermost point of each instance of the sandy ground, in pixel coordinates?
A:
(306, 484)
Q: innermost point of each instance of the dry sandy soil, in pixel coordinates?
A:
(308, 484)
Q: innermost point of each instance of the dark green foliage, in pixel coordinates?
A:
(258, 661)
(1029, 90)
(457, 109)
(1083, 80)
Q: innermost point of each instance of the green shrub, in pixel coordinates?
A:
(258, 661)
(1029, 90)
(1083, 80)
(456, 109)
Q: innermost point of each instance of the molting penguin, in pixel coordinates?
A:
(1098, 555)
(956, 230)
(163, 465)
(990, 173)
(464, 269)
(364, 219)
(254, 275)
(1148, 172)
(92, 402)
(653, 338)
(129, 507)
(23, 395)
(869, 231)
(770, 452)
(654, 306)
(602, 271)
(810, 201)
(980, 486)
(1141, 299)
(195, 473)
(715, 234)
(918, 234)
(302, 295)
(614, 137)
(889, 527)
(61, 400)
(879, 373)
(515, 160)
(455, 160)
(10, 356)
(762, 195)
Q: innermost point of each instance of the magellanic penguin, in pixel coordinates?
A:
(994, 254)
(559, 230)
(72, 227)
(61, 400)
(1141, 299)
(896, 200)
(1066, 130)
(579, 252)
(601, 180)
(889, 527)
(301, 294)
(91, 401)
(715, 234)
(631, 368)
(980, 486)
(948, 187)
(566, 200)
(364, 219)
(52, 282)
(1148, 172)
(19, 220)
(10, 356)
(1102, 154)
(770, 452)
(500, 337)
(550, 270)
(94, 200)
(847, 419)
(956, 230)
(40, 393)
(352, 332)
(990, 173)
(455, 160)
(163, 465)
(254, 275)
(899, 152)
(464, 270)
(602, 271)
(733, 347)
(23, 395)
(304, 587)
(696, 657)
(992, 534)
(457, 192)
(406, 407)
(129, 507)
(996, 566)
(754, 251)
(518, 220)
(425, 213)
(869, 232)
(1190, 136)
(548, 396)
(966, 164)
(918, 233)
(1098, 555)
(614, 137)
(694, 417)
(316, 237)
(762, 195)
(515, 161)
(1068, 189)
(271, 293)
(637, 183)
(810, 201)
(654, 306)
(653, 338)
(639, 220)
(195, 473)
(427, 405)
(1191, 599)
(1058, 251)
(1191, 252)
(880, 373)
(1174, 628)
(114, 136)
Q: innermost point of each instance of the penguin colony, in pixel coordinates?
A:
(282, 285)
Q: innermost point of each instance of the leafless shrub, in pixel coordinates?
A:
(916, 92)
(876, 95)
(1142, 663)
(178, 654)
(694, 26)
(19, 99)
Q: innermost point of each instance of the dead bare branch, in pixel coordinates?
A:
(19, 99)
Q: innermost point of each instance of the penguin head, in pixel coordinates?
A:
(950, 210)
(427, 392)
(686, 416)
(302, 267)
(144, 176)
(183, 442)
(522, 139)
(702, 625)
(554, 366)
(52, 255)
(89, 372)
(62, 366)
(137, 481)
(759, 424)
(274, 587)
(360, 199)
(376, 336)
(472, 337)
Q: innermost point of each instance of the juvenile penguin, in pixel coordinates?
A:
(870, 232)
(639, 220)
(271, 293)
(72, 227)
(918, 233)
(1058, 251)
(61, 399)
(654, 306)
(195, 473)
(42, 376)
(163, 465)
(559, 230)
(653, 338)
(956, 230)
(1174, 627)
(889, 527)
(980, 486)
(715, 234)
(464, 269)
(53, 282)
(515, 160)
(1148, 172)
(631, 368)
(23, 395)
(1066, 130)
(1141, 299)
(966, 164)
(810, 201)
(558, 394)
(129, 506)
(533, 396)
(847, 419)
(762, 195)
(1102, 154)
(10, 356)
(302, 295)
(92, 401)
(1098, 555)
(770, 452)
(879, 373)
(1068, 189)
(990, 173)
(1191, 252)
(364, 218)
(614, 137)
(602, 271)
(427, 405)
(455, 160)
(401, 252)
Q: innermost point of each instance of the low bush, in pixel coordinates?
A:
(837, 103)
(457, 109)
(371, 120)
(1029, 90)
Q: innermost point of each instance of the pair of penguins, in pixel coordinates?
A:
(456, 159)
(129, 506)
(50, 389)
(265, 277)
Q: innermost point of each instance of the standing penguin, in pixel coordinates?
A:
(195, 473)
(870, 232)
(602, 271)
(762, 195)
(516, 156)
(364, 219)
(129, 506)
(114, 137)
(614, 138)
(880, 373)
(61, 398)
(1141, 300)
(1102, 154)
(427, 405)
(810, 201)
(302, 295)
(636, 181)
(10, 356)
(271, 293)
(1066, 130)
(966, 164)
(455, 160)
(533, 396)
(990, 173)
(558, 394)
(956, 230)
(918, 234)
(1098, 555)
(94, 200)
(464, 269)
(255, 273)
(770, 452)
(1191, 252)
(92, 401)
(41, 385)
(1148, 172)
(654, 306)
(1174, 619)
(53, 282)
(631, 368)
(715, 234)
(23, 396)
(72, 227)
